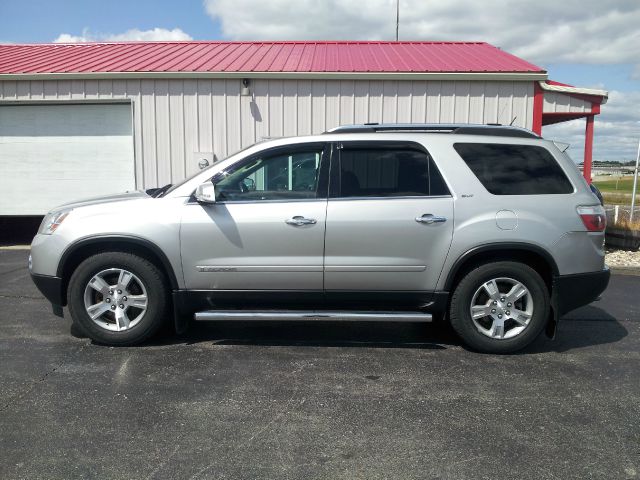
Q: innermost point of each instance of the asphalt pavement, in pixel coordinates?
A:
(317, 400)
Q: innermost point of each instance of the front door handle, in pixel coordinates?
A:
(299, 220)
(429, 219)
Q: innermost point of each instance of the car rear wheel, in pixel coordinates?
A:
(500, 307)
(118, 298)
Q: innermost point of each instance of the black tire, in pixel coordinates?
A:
(153, 318)
(460, 314)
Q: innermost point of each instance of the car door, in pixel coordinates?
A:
(266, 230)
(389, 220)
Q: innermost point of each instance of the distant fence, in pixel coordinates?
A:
(620, 213)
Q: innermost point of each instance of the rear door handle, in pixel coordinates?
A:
(429, 219)
(299, 220)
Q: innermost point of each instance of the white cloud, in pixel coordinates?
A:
(545, 31)
(154, 34)
(150, 35)
(68, 38)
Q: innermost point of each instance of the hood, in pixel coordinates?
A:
(117, 197)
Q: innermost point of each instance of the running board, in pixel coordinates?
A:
(373, 316)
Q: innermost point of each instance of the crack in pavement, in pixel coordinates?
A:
(21, 296)
(22, 267)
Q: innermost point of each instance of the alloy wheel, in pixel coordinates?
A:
(501, 308)
(115, 299)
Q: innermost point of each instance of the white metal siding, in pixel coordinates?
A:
(173, 119)
(555, 102)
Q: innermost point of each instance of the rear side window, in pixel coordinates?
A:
(514, 169)
(388, 172)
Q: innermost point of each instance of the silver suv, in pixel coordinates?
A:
(490, 227)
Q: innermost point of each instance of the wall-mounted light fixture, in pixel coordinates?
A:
(245, 91)
(204, 159)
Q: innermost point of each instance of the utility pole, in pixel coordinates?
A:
(397, 18)
(635, 185)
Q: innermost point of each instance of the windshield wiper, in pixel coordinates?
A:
(159, 192)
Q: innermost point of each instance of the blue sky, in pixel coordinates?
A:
(588, 43)
(43, 21)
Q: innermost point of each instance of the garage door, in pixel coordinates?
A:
(53, 154)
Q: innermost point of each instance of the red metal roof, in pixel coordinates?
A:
(349, 56)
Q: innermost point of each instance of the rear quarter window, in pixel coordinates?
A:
(505, 169)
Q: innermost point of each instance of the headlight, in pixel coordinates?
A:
(52, 221)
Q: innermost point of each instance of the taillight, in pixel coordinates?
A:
(593, 217)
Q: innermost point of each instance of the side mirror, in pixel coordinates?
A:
(206, 193)
(249, 184)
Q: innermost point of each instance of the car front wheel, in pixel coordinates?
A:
(118, 298)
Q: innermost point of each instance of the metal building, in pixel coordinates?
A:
(89, 119)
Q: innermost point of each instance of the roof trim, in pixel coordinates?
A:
(512, 76)
(575, 90)
(270, 42)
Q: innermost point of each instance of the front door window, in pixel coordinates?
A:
(281, 176)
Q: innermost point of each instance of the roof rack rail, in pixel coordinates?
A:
(455, 128)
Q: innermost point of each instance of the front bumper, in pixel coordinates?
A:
(577, 290)
(51, 288)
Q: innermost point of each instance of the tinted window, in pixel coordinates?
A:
(514, 169)
(375, 172)
(279, 176)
